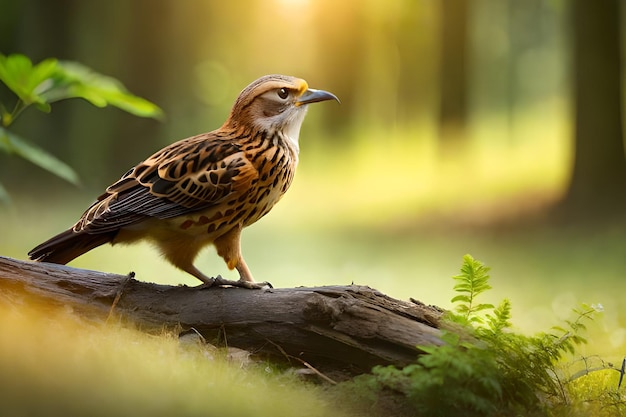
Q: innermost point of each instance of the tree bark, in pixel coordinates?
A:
(338, 330)
(599, 173)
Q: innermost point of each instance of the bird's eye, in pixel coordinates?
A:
(283, 93)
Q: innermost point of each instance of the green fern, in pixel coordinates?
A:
(499, 372)
(471, 282)
(449, 379)
(501, 318)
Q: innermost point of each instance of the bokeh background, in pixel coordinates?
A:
(489, 127)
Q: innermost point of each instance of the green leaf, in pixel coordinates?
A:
(53, 80)
(5, 144)
(13, 144)
(481, 307)
(462, 297)
(4, 195)
(74, 80)
(24, 79)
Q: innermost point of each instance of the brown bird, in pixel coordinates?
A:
(204, 189)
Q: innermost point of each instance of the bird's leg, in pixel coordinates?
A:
(229, 247)
(208, 282)
(182, 257)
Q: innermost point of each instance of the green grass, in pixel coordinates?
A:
(53, 364)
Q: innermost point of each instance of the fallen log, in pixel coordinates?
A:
(343, 330)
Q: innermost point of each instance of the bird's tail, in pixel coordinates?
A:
(68, 245)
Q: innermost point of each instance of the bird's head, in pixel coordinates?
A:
(275, 102)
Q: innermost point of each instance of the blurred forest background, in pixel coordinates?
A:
(490, 127)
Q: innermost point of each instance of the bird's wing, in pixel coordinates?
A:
(187, 176)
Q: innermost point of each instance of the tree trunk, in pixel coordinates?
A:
(598, 181)
(453, 71)
(339, 330)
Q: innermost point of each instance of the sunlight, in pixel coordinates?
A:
(295, 14)
(293, 5)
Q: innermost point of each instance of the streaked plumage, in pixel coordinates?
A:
(202, 190)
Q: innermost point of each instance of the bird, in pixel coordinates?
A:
(202, 190)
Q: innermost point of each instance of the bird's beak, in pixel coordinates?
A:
(313, 96)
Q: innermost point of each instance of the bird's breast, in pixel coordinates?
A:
(275, 166)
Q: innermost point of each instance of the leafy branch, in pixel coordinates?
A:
(49, 81)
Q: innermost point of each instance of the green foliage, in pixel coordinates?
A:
(471, 282)
(50, 81)
(12, 144)
(447, 380)
(489, 370)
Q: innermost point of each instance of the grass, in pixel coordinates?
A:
(52, 363)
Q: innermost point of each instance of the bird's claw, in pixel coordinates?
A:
(219, 281)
